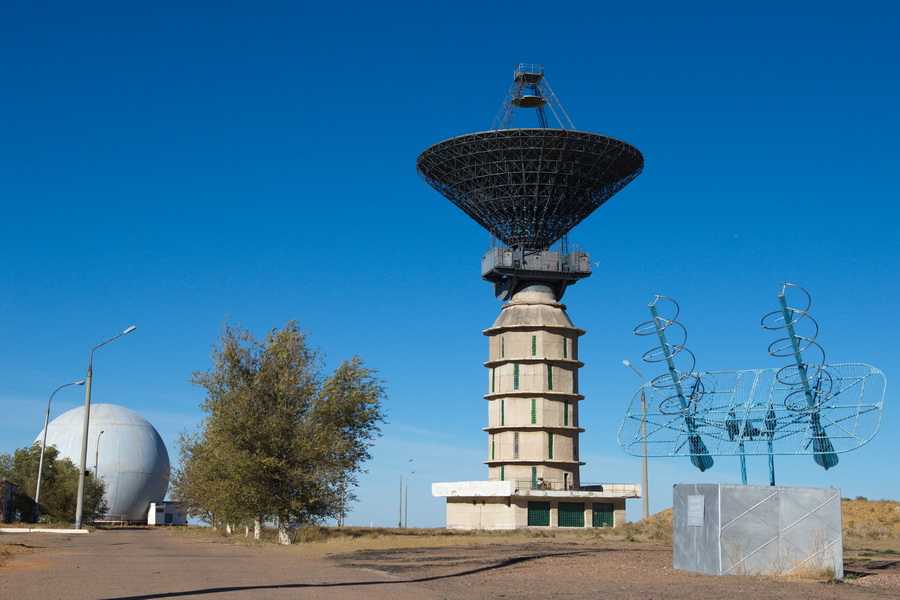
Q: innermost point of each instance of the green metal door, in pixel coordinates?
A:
(603, 514)
(571, 514)
(539, 514)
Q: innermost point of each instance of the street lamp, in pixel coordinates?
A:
(644, 484)
(97, 451)
(400, 517)
(84, 434)
(406, 511)
(37, 492)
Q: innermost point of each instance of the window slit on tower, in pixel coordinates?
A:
(515, 377)
(502, 412)
(502, 347)
(550, 445)
(516, 445)
(534, 345)
(565, 347)
(493, 380)
(566, 412)
(534, 411)
(549, 377)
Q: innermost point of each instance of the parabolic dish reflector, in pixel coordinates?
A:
(529, 187)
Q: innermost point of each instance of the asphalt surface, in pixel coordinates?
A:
(144, 564)
(141, 564)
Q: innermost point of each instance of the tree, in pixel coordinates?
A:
(280, 440)
(59, 485)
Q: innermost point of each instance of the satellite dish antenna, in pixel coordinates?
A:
(529, 187)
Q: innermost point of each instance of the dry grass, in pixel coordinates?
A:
(322, 541)
(871, 525)
(41, 525)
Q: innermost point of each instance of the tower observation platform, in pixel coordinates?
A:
(529, 187)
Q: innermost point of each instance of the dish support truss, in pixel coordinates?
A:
(751, 412)
(531, 90)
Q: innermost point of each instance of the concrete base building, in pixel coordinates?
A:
(505, 505)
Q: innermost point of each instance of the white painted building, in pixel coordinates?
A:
(165, 513)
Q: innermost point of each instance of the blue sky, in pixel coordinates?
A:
(169, 165)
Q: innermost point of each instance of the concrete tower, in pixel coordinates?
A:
(533, 398)
(529, 187)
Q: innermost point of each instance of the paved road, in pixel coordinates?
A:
(140, 564)
(145, 564)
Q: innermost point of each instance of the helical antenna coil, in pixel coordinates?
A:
(663, 327)
(812, 382)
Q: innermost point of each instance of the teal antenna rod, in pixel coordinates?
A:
(771, 424)
(823, 450)
(665, 349)
(700, 456)
(801, 366)
(733, 427)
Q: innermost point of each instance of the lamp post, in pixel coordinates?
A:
(97, 451)
(84, 434)
(644, 483)
(37, 492)
(400, 517)
(406, 510)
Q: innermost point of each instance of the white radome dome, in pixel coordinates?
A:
(132, 458)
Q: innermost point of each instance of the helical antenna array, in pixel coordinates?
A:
(807, 371)
(811, 381)
(679, 403)
(677, 380)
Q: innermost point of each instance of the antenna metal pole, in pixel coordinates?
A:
(673, 373)
(795, 346)
(700, 457)
(771, 423)
(743, 462)
(823, 451)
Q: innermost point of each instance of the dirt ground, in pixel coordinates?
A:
(139, 564)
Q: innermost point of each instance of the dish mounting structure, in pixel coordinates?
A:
(530, 186)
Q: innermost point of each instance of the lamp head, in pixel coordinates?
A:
(79, 383)
(129, 330)
(626, 363)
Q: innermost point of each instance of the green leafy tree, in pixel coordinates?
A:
(59, 485)
(280, 440)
